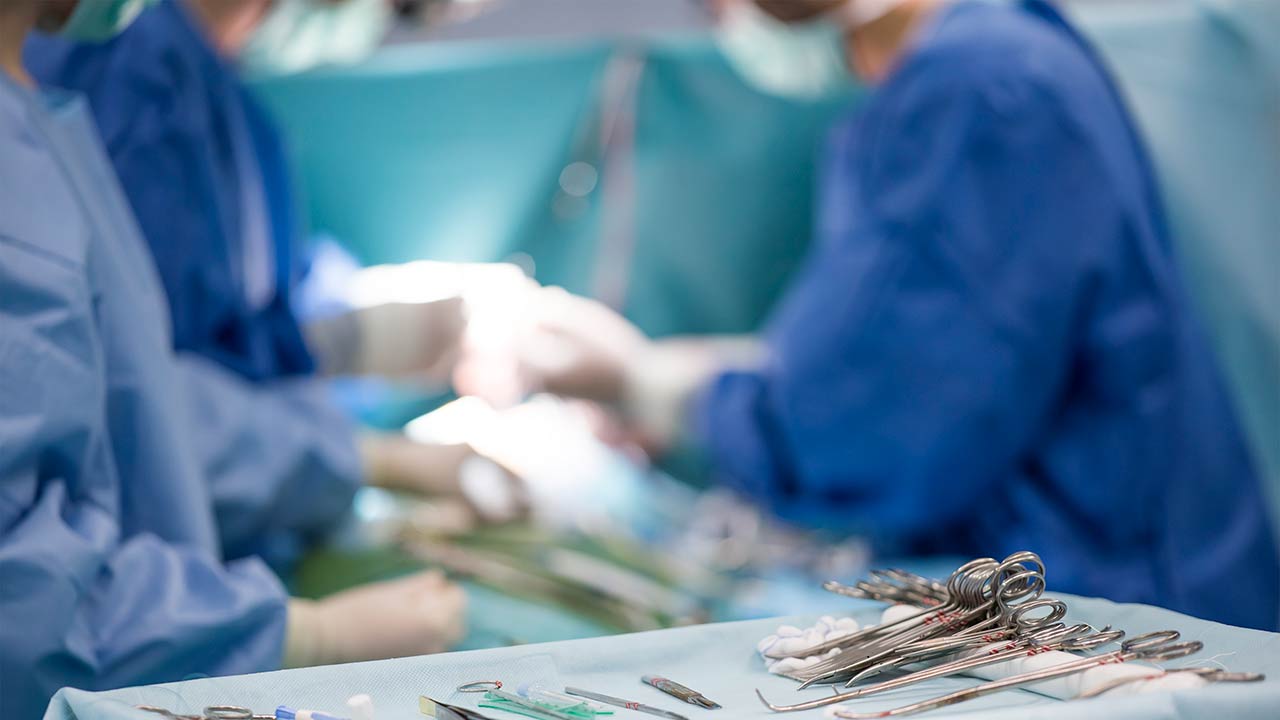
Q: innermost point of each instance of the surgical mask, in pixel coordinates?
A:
(803, 61)
(301, 34)
(98, 20)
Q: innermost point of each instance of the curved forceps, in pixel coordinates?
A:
(973, 594)
(1156, 646)
(212, 712)
(876, 631)
(989, 589)
(968, 589)
(1210, 674)
(1054, 637)
(1018, 626)
(894, 586)
(1022, 633)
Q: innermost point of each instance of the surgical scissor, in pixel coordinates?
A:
(1209, 674)
(1054, 637)
(1156, 646)
(954, 585)
(982, 597)
(893, 586)
(212, 712)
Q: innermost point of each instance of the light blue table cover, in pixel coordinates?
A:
(718, 660)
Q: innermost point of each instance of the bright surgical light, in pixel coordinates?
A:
(499, 306)
(547, 442)
(425, 281)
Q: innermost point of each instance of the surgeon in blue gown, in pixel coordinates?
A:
(991, 347)
(205, 170)
(112, 563)
(207, 176)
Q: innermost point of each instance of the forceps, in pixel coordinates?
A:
(988, 590)
(1054, 637)
(952, 585)
(893, 586)
(1210, 674)
(212, 712)
(1021, 628)
(972, 591)
(1156, 646)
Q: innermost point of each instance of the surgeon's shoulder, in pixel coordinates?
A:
(1001, 58)
(152, 66)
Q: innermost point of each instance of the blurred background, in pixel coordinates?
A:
(606, 146)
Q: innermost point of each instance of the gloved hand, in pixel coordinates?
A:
(580, 348)
(415, 615)
(396, 462)
(393, 340)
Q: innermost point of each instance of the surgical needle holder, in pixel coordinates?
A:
(680, 692)
(985, 602)
(1057, 637)
(235, 712)
(1156, 646)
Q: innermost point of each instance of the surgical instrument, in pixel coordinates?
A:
(969, 588)
(1030, 641)
(893, 586)
(213, 712)
(442, 711)
(628, 704)
(1051, 638)
(680, 692)
(1156, 646)
(982, 597)
(479, 686)
(530, 706)
(1020, 632)
(915, 618)
(1209, 674)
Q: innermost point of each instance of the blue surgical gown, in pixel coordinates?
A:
(991, 348)
(111, 572)
(205, 173)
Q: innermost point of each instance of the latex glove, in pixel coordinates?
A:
(415, 615)
(396, 462)
(578, 347)
(393, 340)
(661, 382)
(581, 348)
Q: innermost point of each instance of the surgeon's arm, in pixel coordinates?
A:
(84, 601)
(578, 347)
(418, 340)
(919, 352)
(86, 609)
(280, 457)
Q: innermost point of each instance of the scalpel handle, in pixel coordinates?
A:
(627, 704)
(680, 692)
